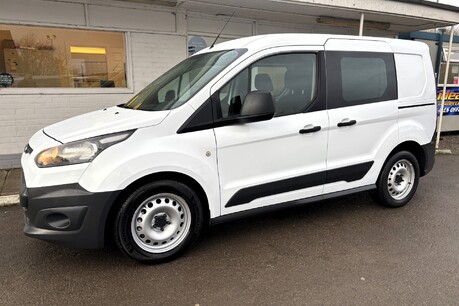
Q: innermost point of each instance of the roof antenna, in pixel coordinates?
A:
(222, 30)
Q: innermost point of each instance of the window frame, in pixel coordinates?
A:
(445, 54)
(129, 89)
(314, 105)
(441, 75)
(335, 98)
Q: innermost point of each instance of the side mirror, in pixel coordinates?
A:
(257, 106)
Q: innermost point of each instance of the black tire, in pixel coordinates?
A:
(387, 193)
(168, 200)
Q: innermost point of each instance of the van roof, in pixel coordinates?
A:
(256, 42)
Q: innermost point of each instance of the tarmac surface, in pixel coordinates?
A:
(345, 251)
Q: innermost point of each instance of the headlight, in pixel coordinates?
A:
(82, 151)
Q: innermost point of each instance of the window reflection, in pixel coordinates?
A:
(55, 57)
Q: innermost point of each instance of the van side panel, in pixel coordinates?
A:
(417, 96)
(411, 76)
(370, 140)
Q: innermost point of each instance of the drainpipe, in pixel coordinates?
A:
(362, 18)
(445, 81)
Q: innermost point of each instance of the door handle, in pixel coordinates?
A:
(310, 129)
(346, 122)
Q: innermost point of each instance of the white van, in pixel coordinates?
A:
(246, 126)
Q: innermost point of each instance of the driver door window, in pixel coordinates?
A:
(290, 78)
(233, 94)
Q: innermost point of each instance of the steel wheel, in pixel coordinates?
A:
(398, 180)
(161, 222)
(401, 179)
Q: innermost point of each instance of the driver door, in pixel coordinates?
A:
(278, 160)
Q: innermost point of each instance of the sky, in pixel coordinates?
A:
(449, 2)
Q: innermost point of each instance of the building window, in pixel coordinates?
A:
(453, 73)
(40, 57)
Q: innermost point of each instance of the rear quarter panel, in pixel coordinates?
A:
(417, 96)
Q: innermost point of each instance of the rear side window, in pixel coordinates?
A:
(356, 78)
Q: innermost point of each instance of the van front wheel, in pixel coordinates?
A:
(158, 221)
(398, 180)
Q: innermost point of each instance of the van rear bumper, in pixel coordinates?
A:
(66, 214)
(429, 154)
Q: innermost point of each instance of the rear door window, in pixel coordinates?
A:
(356, 78)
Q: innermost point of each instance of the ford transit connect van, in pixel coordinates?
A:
(246, 126)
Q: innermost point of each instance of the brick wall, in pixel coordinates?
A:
(154, 54)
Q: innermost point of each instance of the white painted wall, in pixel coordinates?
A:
(50, 12)
(140, 18)
(153, 54)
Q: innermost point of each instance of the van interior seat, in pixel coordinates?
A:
(296, 93)
(170, 96)
(263, 82)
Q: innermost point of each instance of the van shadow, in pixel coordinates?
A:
(222, 238)
(281, 220)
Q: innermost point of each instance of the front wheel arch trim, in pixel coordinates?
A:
(175, 176)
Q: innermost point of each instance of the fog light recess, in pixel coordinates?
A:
(58, 221)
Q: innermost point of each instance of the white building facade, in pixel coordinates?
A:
(62, 58)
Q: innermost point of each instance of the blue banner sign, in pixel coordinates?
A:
(451, 100)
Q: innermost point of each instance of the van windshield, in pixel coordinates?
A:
(179, 84)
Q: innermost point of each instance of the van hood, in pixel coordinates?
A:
(101, 122)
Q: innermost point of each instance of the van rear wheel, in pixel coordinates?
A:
(398, 180)
(158, 221)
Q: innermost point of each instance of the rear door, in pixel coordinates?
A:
(362, 108)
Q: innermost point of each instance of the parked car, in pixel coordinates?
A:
(247, 126)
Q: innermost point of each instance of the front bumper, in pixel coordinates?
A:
(66, 214)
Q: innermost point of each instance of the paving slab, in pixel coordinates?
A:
(9, 200)
(11, 184)
(2, 179)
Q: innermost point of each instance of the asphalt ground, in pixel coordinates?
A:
(347, 251)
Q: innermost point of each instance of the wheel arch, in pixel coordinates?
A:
(382, 194)
(166, 175)
(414, 148)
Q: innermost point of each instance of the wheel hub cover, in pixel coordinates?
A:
(398, 179)
(160, 221)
